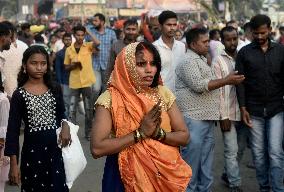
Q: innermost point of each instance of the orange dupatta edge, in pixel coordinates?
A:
(149, 165)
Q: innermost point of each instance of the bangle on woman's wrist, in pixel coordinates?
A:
(163, 135)
(160, 135)
(137, 136)
(143, 136)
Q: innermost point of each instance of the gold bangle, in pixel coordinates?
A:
(161, 135)
(158, 134)
(143, 136)
(137, 136)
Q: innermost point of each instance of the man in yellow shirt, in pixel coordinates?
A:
(78, 60)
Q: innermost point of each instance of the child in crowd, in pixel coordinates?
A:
(40, 105)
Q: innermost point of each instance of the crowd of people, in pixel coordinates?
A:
(151, 96)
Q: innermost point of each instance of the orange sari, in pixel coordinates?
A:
(149, 165)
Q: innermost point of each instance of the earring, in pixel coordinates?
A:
(24, 70)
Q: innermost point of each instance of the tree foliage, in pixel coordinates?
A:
(242, 9)
(281, 4)
(8, 8)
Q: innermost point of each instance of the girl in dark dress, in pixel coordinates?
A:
(39, 104)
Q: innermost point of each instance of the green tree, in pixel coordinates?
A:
(281, 4)
(242, 9)
(8, 8)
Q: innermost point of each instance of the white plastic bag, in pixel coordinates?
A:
(73, 156)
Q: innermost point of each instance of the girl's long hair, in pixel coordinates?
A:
(23, 76)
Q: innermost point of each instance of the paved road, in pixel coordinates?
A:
(90, 180)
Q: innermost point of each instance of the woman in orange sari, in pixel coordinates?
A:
(138, 119)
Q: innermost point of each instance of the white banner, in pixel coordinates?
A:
(87, 1)
(25, 9)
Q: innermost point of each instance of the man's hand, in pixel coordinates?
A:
(94, 38)
(246, 117)
(234, 79)
(76, 65)
(225, 125)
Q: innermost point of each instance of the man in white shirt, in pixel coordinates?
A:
(230, 115)
(171, 51)
(215, 45)
(13, 61)
(5, 41)
(248, 36)
(235, 24)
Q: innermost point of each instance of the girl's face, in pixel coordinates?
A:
(145, 67)
(178, 35)
(36, 66)
(53, 39)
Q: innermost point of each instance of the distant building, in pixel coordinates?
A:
(114, 8)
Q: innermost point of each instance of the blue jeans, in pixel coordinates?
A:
(267, 151)
(199, 154)
(232, 169)
(75, 97)
(243, 139)
(99, 86)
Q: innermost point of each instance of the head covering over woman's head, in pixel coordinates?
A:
(149, 164)
(126, 82)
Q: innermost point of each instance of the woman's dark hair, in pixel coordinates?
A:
(259, 20)
(1, 84)
(23, 76)
(157, 59)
